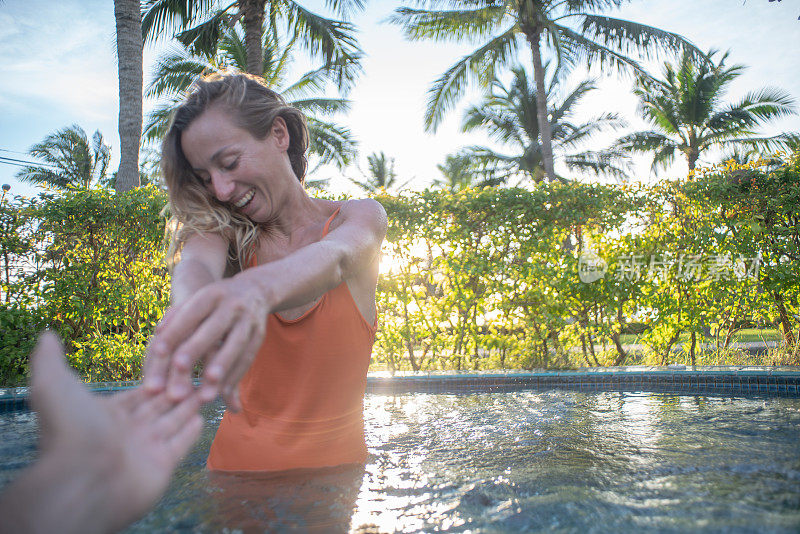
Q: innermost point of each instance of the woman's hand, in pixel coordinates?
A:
(222, 324)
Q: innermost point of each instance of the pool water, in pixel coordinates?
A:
(560, 461)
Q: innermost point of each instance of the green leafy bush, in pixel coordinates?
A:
(475, 279)
(19, 326)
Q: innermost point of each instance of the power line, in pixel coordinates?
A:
(25, 163)
(46, 166)
(13, 151)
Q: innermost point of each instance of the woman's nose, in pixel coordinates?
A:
(223, 187)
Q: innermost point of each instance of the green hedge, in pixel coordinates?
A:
(93, 271)
(547, 277)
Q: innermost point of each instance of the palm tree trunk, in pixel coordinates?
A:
(691, 157)
(541, 107)
(252, 12)
(129, 53)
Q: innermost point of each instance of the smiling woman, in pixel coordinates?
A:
(250, 243)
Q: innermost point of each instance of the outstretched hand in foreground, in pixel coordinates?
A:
(104, 460)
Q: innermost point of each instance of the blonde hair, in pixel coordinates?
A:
(193, 209)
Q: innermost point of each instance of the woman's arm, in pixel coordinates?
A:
(231, 314)
(202, 263)
(345, 253)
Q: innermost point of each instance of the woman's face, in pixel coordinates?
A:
(244, 172)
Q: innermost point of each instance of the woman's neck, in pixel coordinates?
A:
(298, 212)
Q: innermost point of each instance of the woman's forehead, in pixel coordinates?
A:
(210, 132)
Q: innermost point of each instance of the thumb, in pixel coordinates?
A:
(53, 385)
(47, 362)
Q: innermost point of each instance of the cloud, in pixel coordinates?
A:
(59, 56)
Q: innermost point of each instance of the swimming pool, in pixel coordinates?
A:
(526, 460)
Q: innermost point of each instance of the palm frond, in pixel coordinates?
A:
(459, 24)
(331, 143)
(204, 38)
(174, 73)
(69, 159)
(500, 125)
(162, 18)
(629, 37)
(763, 144)
(342, 71)
(610, 162)
(157, 124)
(311, 82)
(664, 157)
(317, 184)
(345, 8)
(322, 106)
(580, 6)
(493, 167)
(572, 99)
(479, 65)
(578, 47)
(332, 40)
(764, 105)
(642, 142)
(42, 175)
(572, 135)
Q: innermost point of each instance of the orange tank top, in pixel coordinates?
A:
(303, 396)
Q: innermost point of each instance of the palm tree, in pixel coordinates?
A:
(69, 160)
(458, 172)
(129, 54)
(509, 116)
(688, 115)
(381, 175)
(568, 27)
(201, 23)
(175, 72)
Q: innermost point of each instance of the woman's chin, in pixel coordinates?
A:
(255, 214)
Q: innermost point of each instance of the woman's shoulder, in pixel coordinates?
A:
(363, 211)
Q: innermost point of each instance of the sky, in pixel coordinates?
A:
(60, 69)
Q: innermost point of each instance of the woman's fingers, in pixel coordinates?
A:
(203, 340)
(156, 363)
(233, 400)
(185, 321)
(156, 366)
(220, 364)
(230, 388)
(176, 325)
(167, 318)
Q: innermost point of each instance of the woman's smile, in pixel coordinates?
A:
(245, 199)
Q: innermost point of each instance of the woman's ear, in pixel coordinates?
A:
(280, 132)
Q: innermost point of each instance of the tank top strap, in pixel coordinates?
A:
(329, 221)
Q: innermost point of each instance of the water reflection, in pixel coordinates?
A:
(511, 462)
(313, 501)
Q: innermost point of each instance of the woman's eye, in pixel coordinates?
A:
(232, 165)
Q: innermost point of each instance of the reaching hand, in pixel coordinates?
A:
(222, 324)
(130, 441)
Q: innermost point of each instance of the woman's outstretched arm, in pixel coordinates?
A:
(224, 322)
